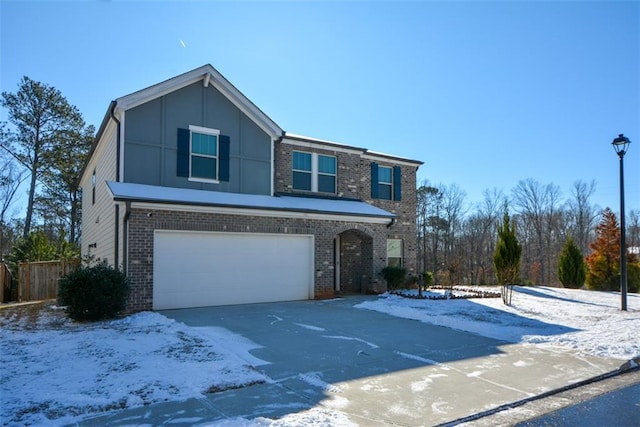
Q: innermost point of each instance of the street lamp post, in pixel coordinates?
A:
(621, 145)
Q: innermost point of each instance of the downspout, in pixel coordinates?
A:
(117, 213)
(125, 232)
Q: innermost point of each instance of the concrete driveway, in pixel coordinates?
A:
(376, 368)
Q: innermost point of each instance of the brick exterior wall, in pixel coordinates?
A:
(354, 181)
(143, 222)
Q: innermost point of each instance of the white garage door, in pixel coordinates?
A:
(198, 269)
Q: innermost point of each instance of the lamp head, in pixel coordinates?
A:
(621, 144)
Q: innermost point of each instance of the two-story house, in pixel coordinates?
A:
(203, 200)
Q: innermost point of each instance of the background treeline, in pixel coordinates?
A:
(456, 240)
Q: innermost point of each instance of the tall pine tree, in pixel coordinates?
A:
(39, 114)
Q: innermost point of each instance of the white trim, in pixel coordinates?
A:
(390, 159)
(259, 212)
(314, 172)
(121, 138)
(320, 146)
(208, 131)
(205, 180)
(271, 171)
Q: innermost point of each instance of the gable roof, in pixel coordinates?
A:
(209, 76)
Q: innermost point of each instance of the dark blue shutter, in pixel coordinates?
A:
(182, 167)
(397, 183)
(223, 162)
(374, 180)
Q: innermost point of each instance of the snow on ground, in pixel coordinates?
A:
(589, 322)
(56, 371)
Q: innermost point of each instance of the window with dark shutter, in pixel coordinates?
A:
(397, 183)
(225, 147)
(374, 180)
(203, 154)
(385, 183)
(182, 167)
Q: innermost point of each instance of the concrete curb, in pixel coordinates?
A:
(629, 366)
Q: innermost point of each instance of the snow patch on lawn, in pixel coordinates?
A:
(588, 322)
(62, 371)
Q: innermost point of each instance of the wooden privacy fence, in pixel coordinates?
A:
(39, 280)
(5, 282)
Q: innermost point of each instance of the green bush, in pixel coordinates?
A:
(394, 276)
(94, 293)
(572, 270)
(427, 278)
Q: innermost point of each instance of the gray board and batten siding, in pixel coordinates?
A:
(151, 134)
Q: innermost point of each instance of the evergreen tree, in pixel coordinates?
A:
(506, 258)
(604, 261)
(60, 178)
(39, 114)
(571, 267)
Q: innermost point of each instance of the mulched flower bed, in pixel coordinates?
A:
(456, 292)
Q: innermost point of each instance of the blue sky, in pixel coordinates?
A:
(485, 93)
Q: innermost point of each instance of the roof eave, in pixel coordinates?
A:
(105, 121)
(235, 206)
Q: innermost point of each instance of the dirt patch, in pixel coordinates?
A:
(32, 316)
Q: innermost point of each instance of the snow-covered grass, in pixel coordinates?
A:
(586, 321)
(56, 371)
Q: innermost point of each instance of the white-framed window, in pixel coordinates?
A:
(314, 172)
(302, 171)
(385, 182)
(203, 153)
(327, 167)
(394, 252)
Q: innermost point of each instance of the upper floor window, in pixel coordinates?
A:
(314, 172)
(302, 171)
(386, 182)
(327, 174)
(203, 154)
